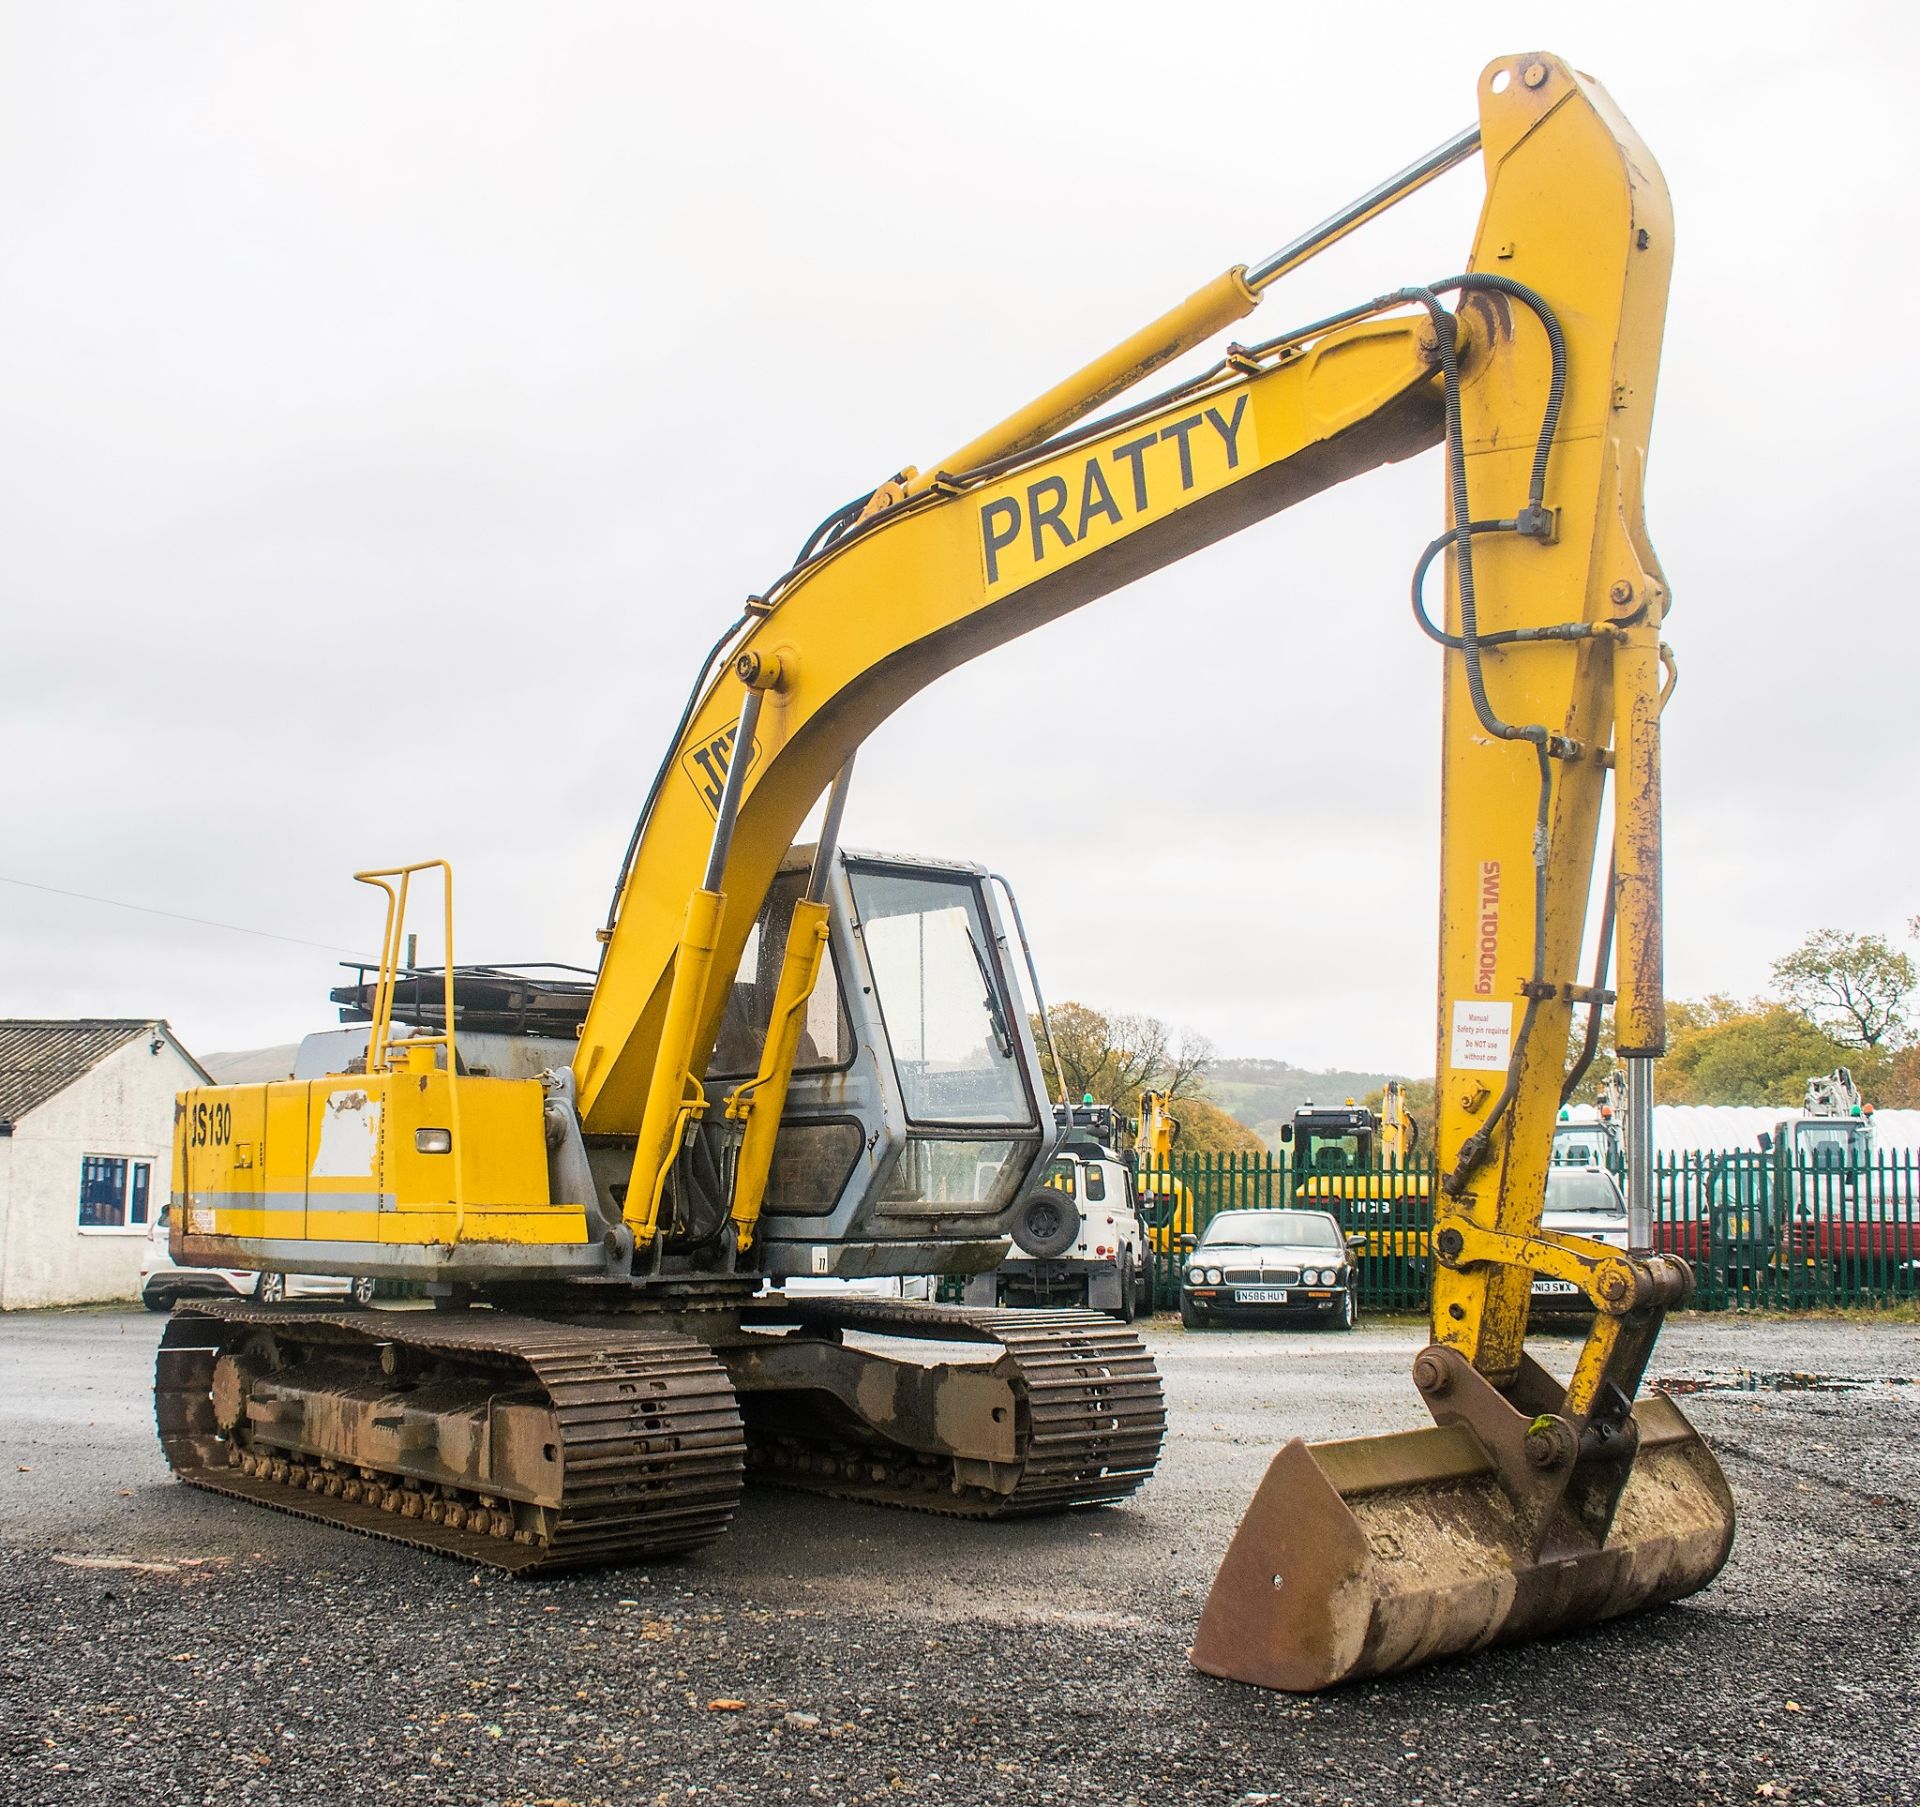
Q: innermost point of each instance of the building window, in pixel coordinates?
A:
(114, 1192)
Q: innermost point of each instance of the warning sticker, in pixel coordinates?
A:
(1482, 1035)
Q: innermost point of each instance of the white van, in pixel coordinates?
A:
(1581, 1201)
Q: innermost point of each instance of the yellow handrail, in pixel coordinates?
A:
(380, 1033)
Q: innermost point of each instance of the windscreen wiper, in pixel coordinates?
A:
(1002, 1032)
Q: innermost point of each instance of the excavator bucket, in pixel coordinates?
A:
(1361, 1557)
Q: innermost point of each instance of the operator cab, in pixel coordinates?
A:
(1087, 1125)
(1830, 1147)
(1828, 1163)
(1585, 1141)
(914, 1122)
(1331, 1139)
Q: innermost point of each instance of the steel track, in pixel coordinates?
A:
(652, 1450)
(1092, 1416)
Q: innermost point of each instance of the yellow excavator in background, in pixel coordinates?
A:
(1155, 1132)
(1164, 1200)
(1357, 1163)
(801, 1061)
(1399, 1132)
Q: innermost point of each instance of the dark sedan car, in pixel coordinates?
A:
(1264, 1265)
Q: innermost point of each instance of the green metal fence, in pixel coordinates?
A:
(1771, 1233)
(1763, 1231)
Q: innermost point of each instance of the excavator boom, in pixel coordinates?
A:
(945, 576)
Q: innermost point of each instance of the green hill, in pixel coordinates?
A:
(1264, 1094)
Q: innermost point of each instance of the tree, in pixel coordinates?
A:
(1897, 1086)
(1206, 1129)
(1688, 1015)
(1723, 1052)
(1855, 987)
(1117, 1056)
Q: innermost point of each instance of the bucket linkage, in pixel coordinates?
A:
(1526, 1508)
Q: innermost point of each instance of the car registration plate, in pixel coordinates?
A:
(1260, 1295)
(1555, 1286)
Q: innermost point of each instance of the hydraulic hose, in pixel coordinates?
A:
(1512, 636)
(818, 540)
(1603, 954)
(1557, 373)
(1535, 522)
(832, 528)
(666, 765)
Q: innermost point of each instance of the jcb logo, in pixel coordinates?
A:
(708, 761)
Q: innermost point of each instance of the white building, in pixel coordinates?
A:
(1683, 1129)
(86, 1152)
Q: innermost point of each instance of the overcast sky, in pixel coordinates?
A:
(396, 400)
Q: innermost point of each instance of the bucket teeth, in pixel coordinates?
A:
(1363, 1557)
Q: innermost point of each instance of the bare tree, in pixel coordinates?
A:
(1855, 987)
(1188, 1064)
(1115, 1057)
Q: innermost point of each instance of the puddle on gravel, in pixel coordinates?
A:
(1776, 1380)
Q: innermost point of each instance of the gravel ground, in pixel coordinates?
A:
(884, 1656)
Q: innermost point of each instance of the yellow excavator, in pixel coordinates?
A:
(807, 1061)
(1399, 1131)
(1357, 1163)
(1165, 1202)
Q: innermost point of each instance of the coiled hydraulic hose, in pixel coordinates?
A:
(1534, 522)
